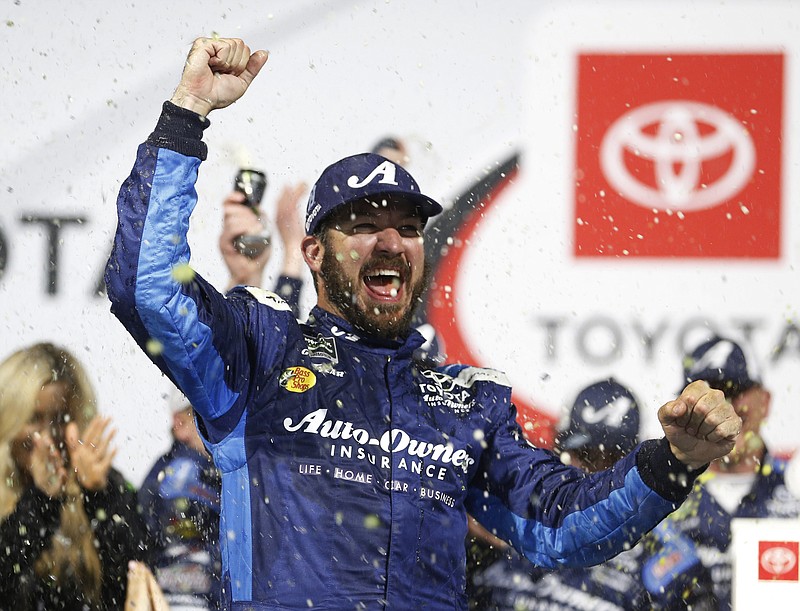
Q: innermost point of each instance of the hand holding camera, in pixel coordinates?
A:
(245, 243)
(252, 184)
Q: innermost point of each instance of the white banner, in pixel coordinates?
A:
(560, 282)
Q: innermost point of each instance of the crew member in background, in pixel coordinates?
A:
(180, 504)
(749, 482)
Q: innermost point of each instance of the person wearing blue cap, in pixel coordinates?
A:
(747, 483)
(348, 467)
(603, 426)
(180, 506)
(662, 572)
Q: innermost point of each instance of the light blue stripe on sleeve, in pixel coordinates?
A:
(585, 537)
(168, 314)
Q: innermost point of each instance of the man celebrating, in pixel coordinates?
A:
(347, 467)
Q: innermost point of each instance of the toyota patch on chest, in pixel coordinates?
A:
(442, 390)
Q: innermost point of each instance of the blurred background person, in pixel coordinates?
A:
(69, 519)
(180, 500)
(393, 148)
(749, 482)
(240, 219)
(662, 572)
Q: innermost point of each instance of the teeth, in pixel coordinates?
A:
(386, 272)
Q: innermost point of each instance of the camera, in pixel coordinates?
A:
(252, 183)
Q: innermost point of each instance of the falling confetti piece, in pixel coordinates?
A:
(154, 347)
(371, 521)
(183, 273)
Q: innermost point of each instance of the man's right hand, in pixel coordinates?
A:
(217, 73)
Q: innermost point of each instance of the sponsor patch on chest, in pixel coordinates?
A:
(297, 379)
(323, 348)
(442, 390)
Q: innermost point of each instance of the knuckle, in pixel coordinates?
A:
(716, 394)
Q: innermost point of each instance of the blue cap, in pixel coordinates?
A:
(604, 413)
(359, 177)
(722, 363)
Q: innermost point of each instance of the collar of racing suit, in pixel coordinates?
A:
(321, 320)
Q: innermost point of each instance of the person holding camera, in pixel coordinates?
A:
(246, 260)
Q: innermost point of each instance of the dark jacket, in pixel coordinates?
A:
(662, 573)
(118, 531)
(708, 524)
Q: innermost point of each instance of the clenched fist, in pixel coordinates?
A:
(217, 73)
(700, 425)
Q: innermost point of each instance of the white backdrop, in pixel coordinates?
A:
(466, 83)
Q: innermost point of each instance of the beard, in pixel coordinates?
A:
(384, 321)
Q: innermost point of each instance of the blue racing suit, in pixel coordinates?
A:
(347, 467)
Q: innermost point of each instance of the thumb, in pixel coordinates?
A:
(674, 412)
(254, 65)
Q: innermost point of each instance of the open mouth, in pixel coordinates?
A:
(384, 284)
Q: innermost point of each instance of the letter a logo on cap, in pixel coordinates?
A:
(386, 170)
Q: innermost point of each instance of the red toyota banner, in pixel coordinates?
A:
(679, 155)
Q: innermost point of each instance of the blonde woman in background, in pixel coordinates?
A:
(68, 520)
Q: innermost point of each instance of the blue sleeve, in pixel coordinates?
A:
(558, 515)
(199, 338)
